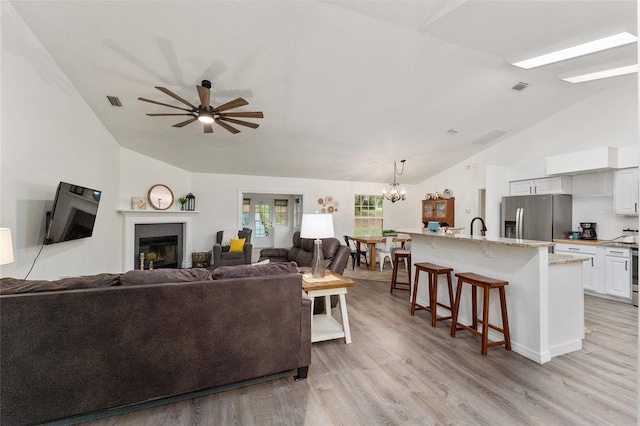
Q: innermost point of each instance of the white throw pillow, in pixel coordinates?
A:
(227, 235)
(262, 262)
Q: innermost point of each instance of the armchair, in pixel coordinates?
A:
(222, 256)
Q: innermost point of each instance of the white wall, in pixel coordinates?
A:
(66, 142)
(218, 197)
(609, 118)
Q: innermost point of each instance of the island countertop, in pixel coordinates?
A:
(544, 294)
(479, 239)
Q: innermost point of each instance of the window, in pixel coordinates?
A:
(262, 219)
(245, 211)
(368, 215)
(281, 211)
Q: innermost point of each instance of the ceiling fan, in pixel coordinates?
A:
(207, 114)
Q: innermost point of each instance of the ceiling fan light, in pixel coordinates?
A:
(205, 117)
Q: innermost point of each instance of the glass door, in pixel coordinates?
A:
(262, 222)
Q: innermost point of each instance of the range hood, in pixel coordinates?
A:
(592, 160)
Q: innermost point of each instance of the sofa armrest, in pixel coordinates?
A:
(305, 330)
(248, 252)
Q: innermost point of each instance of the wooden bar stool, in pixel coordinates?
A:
(397, 257)
(486, 284)
(433, 271)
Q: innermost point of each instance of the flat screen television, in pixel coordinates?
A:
(73, 214)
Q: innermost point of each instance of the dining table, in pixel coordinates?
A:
(371, 241)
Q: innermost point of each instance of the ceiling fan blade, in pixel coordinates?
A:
(243, 114)
(240, 122)
(238, 102)
(184, 123)
(227, 127)
(160, 115)
(205, 96)
(174, 96)
(160, 103)
(208, 128)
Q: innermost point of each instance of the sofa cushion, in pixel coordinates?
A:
(159, 276)
(240, 271)
(237, 245)
(16, 286)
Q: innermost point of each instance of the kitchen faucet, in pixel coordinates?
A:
(482, 230)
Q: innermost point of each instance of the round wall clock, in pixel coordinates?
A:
(160, 197)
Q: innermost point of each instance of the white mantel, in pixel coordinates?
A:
(135, 217)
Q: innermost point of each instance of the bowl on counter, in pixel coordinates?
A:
(433, 226)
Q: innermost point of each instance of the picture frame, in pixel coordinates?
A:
(138, 203)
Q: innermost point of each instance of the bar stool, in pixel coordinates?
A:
(397, 256)
(433, 271)
(486, 284)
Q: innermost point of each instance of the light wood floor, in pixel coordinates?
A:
(401, 371)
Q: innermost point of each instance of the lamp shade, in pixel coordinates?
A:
(6, 246)
(316, 226)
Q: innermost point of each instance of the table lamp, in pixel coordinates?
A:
(317, 226)
(6, 246)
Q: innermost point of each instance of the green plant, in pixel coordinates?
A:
(182, 200)
(388, 231)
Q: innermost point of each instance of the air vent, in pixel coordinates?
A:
(114, 101)
(491, 136)
(520, 86)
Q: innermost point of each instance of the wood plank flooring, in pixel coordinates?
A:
(401, 371)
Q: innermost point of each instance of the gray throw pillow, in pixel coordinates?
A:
(17, 286)
(161, 276)
(241, 271)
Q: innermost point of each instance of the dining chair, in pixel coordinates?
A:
(355, 253)
(384, 251)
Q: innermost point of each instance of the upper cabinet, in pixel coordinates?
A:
(441, 210)
(625, 191)
(551, 185)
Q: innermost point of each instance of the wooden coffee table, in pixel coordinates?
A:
(324, 326)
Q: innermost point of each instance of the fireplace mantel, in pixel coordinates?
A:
(134, 217)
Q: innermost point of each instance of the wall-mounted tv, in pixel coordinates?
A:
(73, 214)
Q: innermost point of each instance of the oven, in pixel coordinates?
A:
(634, 275)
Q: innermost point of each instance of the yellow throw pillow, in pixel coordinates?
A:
(237, 246)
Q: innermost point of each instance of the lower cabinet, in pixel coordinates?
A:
(618, 278)
(593, 270)
(608, 270)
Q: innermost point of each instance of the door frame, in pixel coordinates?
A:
(282, 235)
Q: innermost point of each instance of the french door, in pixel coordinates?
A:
(261, 221)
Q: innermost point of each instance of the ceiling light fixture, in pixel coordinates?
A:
(394, 194)
(205, 116)
(598, 45)
(613, 72)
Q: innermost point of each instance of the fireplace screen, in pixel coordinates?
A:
(163, 251)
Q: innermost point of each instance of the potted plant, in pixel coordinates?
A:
(182, 201)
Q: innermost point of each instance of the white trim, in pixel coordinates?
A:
(133, 218)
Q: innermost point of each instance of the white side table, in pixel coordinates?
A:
(324, 326)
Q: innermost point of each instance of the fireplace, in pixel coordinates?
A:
(163, 241)
(164, 224)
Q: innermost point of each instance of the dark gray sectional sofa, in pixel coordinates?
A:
(88, 344)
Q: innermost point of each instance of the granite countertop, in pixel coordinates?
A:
(558, 259)
(478, 239)
(604, 243)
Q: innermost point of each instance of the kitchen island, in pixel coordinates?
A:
(545, 299)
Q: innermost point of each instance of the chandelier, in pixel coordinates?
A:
(394, 194)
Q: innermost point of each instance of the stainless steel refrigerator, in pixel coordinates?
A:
(536, 217)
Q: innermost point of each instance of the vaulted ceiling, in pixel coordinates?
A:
(345, 87)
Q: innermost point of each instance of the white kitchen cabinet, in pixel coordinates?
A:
(593, 270)
(618, 272)
(625, 194)
(550, 185)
